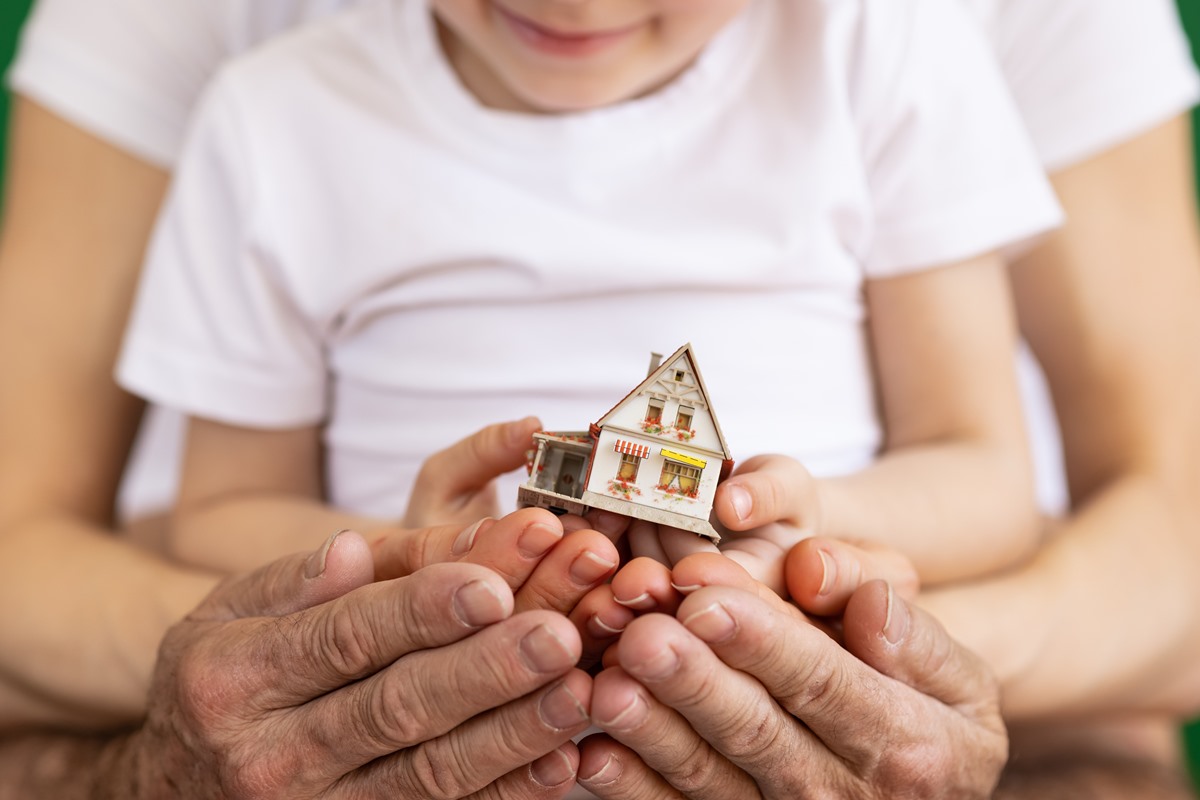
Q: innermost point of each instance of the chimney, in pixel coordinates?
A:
(655, 360)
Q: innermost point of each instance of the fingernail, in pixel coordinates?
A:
(552, 769)
(828, 573)
(895, 624)
(693, 587)
(536, 540)
(658, 667)
(466, 539)
(713, 624)
(608, 774)
(543, 651)
(587, 568)
(743, 504)
(628, 718)
(314, 566)
(601, 629)
(476, 604)
(560, 709)
(640, 603)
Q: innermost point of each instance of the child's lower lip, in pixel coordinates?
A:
(556, 43)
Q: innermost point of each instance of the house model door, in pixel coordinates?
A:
(570, 477)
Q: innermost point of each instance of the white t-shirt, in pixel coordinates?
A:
(353, 240)
(1086, 75)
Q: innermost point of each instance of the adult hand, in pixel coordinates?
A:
(305, 679)
(737, 696)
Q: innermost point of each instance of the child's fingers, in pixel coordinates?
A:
(679, 544)
(644, 585)
(450, 478)
(763, 490)
(572, 568)
(600, 620)
(823, 573)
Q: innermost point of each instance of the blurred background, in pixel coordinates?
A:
(12, 12)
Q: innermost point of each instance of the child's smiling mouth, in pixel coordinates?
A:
(566, 44)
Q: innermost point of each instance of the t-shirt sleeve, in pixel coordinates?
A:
(128, 71)
(1090, 74)
(215, 331)
(951, 171)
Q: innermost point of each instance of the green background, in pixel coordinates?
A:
(13, 11)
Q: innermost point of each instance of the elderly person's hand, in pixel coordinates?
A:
(305, 679)
(736, 695)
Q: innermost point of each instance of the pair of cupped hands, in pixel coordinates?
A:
(461, 655)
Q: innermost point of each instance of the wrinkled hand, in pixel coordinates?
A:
(736, 695)
(305, 679)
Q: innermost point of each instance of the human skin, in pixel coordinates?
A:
(308, 678)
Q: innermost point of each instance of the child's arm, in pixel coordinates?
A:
(248, 496)
(952, 489)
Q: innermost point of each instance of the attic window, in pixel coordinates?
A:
(680, 375)
(654, 411)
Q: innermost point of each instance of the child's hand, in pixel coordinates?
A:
(546, 567)
(457, 485)
(767, 506)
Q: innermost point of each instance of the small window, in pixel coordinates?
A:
(680, 375)
(654, 411)
(628, 469)
(684, 419)
(679, 478)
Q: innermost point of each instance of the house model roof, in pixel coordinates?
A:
(681, 359)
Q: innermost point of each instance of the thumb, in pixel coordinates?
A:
(292, 583)
(451, 477)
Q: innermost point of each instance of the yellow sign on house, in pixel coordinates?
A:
(682, 459)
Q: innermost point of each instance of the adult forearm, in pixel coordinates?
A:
(86, 613)
(1105, 619)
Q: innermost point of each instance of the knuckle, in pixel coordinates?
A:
(395, 716)
(435, 776)
(753, 735)
(697, 769)
(916, 768)
(345, 642)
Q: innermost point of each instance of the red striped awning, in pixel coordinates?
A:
(632, 448)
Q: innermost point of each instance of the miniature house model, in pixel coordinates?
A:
(657, 455)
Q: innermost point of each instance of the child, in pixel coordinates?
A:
(394, 226)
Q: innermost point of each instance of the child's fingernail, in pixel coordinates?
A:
(314, 567)
(601, 629)
(466, 539)
(742, 502)
(641, 602)
(828, 573)
(895, 624)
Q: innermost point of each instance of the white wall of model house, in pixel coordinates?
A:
(682, 443)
